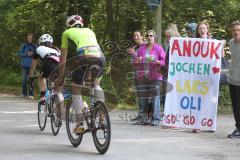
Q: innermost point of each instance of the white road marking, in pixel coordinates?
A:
(146, 140)
(18, 112)
(17, 101)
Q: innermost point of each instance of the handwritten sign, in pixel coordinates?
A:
(194, 72)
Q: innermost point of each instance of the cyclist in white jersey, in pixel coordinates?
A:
(50, 58)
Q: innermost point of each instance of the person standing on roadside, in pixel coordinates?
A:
(25, 53)
(150, 59)
(138, 42)
(191, 30)
(171, 31)
(234, 76)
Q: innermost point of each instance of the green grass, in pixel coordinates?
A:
(9, 89)
(224, 102)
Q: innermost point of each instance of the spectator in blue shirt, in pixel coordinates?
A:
(25, 53)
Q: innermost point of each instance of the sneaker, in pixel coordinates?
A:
(79, 129)
(234, 134)
(30, 97)
(136, 118)
(154, 123)
(195, 130)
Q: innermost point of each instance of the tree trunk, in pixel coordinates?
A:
(158, 23)
(110, 21)
(73, 8)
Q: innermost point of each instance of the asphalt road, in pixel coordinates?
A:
(21, 139)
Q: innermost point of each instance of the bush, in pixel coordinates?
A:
(224, 101)
(10, 78)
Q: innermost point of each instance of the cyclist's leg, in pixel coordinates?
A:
(58, 91)
(99, 94)
(49, 66)
(76, 98)
(42, 85)
(77, 102)
(45, 69)
(77, 105)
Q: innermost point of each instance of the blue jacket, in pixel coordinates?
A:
(26, 61)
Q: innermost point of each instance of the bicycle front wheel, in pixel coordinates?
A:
(71, 124)
(56, 121)
(42, 116)
(102, 132)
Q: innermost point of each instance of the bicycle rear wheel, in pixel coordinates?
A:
(42, 116)
(71, 124)
(102, 132)
(56, 122)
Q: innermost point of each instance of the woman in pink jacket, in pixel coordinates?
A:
(149, 60)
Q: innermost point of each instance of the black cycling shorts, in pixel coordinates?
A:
(79, 74)
(48, 66)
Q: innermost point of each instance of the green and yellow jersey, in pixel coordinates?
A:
(81, 37)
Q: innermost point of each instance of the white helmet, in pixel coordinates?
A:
(45, 38)
(74, 20)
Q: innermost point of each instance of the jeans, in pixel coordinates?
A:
(234, 93)
(149, 91)
(25, 87)
(135, 83)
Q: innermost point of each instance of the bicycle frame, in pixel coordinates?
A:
(90, 122)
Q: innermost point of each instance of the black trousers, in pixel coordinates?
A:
(235, 98)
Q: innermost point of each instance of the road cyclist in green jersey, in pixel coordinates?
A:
(87, 46)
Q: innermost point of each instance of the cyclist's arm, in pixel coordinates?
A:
(62, 63)
(64, 51)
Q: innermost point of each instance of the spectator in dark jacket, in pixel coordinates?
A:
(25, 53)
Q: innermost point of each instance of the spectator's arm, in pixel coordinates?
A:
(22, 52)
(162, 57)
(137, 58)
(132, 51)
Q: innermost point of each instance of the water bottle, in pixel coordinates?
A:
(47, 96)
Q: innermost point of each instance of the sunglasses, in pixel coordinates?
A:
(149, 35)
